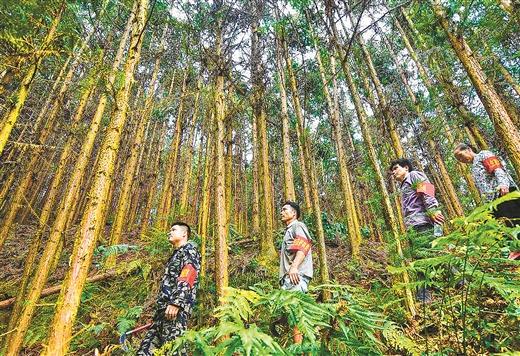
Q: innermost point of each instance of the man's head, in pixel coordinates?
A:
(179, 233)
(290, 212)
(464, 153)
(400, 168)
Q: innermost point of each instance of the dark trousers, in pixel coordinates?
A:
(508, 212)
(163, 331)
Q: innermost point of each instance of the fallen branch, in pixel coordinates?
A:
(4, 304)
(242, 242)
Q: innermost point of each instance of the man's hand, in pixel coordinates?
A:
(293, 275)
(503, 190)
(437, 217)
(171, 312)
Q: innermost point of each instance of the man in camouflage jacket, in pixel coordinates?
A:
(177, 292)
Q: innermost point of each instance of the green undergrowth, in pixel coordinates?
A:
(259, 322)
(475, 288)
(365, 316)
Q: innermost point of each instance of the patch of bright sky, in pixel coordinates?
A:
(178, 14)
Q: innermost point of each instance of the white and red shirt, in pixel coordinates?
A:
(489, 174)
(296, 238)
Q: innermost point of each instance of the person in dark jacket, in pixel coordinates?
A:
(421, 213)
(177, 292)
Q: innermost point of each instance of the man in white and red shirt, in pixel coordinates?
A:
(296, 256)
(296, 269)
(493, 181)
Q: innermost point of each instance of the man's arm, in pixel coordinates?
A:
(183, 295)
(293, 270)
(493, 165)
(430, 202)
(503, 181)
(301, 246)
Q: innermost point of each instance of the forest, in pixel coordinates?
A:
(119, 118)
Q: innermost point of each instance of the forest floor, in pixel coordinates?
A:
(98, 320)
(125, 301)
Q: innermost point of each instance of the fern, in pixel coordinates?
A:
(300, 309)
(395, 338)
(128, 319)
(245, 317)
(157, 242)
(138, 264)
(476, 254)
(236, 305)
(103, 252)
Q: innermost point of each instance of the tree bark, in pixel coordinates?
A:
(289, 193)
(221, 247)
(133, 159)
(267, 250)
(183, 205)
(166, 197)
(65, 211)
(298, 111)
(91, 224)
(8, 122)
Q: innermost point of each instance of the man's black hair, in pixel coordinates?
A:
(295, 206)
(464, 146)
(403, 162)
(183, 224)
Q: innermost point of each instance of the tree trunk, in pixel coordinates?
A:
(4, 304)
(15, 339)
(228, 168)
(440, 114)
(205, 205)
(298, 112)
(166, 196)
(267, 252)
(46, 210)
(346, 185)
(383, 102)
(289, 193)
(256, 185)
(153, 172)
(396, 146)
(10, 119)
(432, 145)
(133, 159)
(221, 247)
(308, 171)
(91, 224)
(189, 156)
(387, 205)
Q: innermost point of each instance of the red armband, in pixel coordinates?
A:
(300, 243)
(188, 275)
(491, 164)
(426, 188)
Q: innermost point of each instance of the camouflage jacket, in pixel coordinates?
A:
(179, 283)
